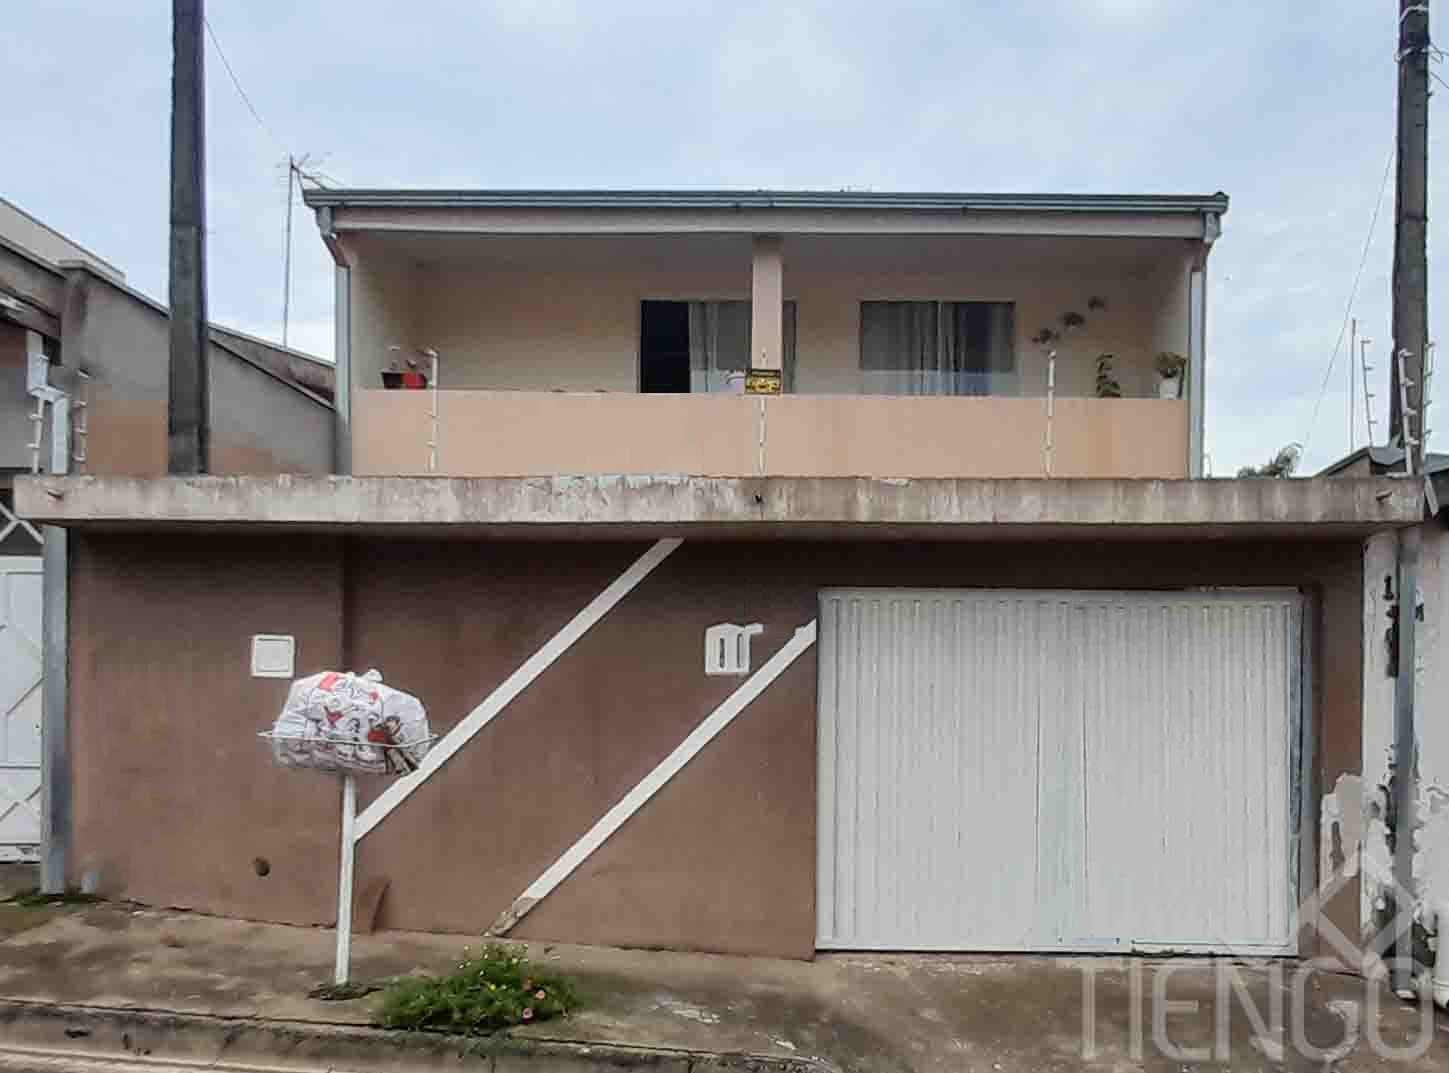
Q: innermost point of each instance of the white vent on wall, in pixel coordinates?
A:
(274, 655)
(727, 648)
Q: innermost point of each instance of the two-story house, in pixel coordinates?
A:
(783, 572)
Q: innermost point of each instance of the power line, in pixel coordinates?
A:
(1348, 306)
(299, 170)
(237, 83)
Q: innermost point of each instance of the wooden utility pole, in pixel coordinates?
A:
(1411, 269)
(188, 418)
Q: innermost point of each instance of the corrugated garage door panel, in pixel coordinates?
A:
(1047, 770)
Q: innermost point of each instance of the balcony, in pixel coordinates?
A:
(901, 355)
(537, 433)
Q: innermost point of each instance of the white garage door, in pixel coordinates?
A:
(20, 587)
(1023, 770)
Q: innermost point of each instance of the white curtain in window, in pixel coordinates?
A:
(977, 346)
(937, 348)
(719, 345)
(899, 354)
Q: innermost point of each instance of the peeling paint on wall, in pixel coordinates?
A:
(1379, 772)
(1341, 815)
(1376, 851)
(1431, 838)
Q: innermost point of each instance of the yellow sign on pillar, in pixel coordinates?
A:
(763, 382)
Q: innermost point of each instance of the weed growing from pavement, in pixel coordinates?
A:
(494, 989)
(343, 992)
(34, 899)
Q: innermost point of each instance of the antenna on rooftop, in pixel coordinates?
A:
(299, 169)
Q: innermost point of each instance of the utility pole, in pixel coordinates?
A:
(1407, 363)
(188, 417)
(1411, 269)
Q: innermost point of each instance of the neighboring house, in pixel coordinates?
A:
(43, 242)
(936, 649)
(83, 384)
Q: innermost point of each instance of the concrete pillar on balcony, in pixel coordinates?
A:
(767, 304)
(1196, 368)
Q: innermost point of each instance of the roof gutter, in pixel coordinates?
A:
(329, 232)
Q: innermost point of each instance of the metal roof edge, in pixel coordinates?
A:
(726, 200)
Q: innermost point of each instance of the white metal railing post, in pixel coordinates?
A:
(1368, 396)
(432, 355)
(1050, 408)
(1406, 419)
(80, 429)
(1425, 399)
(344, 878)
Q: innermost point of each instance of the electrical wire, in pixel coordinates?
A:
(1348, 306)
(237, 82)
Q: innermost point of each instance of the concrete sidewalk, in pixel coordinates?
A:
(110, 977)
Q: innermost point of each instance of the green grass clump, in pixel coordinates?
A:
(497, 988)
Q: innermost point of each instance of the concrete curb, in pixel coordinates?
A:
(110, 1033)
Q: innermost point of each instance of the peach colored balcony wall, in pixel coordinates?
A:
(522, 433)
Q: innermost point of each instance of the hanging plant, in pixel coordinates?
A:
(1169, 365)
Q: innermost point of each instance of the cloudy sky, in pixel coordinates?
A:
(1290, 109)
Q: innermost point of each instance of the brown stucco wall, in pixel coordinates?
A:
(174, 795)
(723, 859)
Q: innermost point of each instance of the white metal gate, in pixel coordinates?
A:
(20, 671)
(1025, 770)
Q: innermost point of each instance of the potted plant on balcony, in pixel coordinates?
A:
(1171, 368)
(408, 376)
(1107, 385)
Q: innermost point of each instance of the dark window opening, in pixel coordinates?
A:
(664, 347)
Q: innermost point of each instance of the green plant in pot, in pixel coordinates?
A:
(1107, 385)
(1171, 369)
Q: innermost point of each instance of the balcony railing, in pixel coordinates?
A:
(521, 433)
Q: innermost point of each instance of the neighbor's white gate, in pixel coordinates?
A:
(20, 672)
(1027, 770)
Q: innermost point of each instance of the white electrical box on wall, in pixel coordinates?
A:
(727, 648)
(274, 655)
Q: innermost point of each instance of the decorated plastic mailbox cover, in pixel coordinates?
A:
(340, 721)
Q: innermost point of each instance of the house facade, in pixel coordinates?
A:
(782, 572)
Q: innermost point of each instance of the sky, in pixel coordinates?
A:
(1289, 109)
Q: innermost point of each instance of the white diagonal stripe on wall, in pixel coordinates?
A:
(513, 685)
(655, 781)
